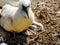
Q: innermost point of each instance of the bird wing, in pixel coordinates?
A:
(7, 16)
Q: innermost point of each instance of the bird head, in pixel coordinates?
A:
(25, 5)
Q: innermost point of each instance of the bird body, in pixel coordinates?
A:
(17, 19)
(14, 19)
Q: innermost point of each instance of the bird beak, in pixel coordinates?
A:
(25, 9)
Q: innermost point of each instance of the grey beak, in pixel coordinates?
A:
(25, 9)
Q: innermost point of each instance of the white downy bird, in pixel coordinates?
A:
(17, 19)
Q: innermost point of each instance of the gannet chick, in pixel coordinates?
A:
(17, 19)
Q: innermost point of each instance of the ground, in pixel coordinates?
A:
(47, 12)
